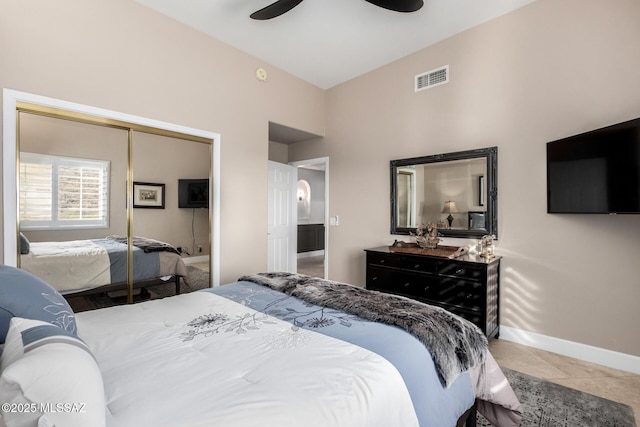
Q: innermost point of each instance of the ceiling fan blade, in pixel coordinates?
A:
(399, 5)
(275, 9)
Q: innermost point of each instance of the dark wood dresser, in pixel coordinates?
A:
(468, 286)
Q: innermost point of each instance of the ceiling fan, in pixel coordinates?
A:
(283, 6)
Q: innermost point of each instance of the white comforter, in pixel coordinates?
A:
(254, 371)
(71, 265)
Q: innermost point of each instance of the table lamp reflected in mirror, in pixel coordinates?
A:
(450, 207)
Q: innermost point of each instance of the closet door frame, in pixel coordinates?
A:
(15, 101)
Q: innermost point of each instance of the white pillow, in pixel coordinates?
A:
(26, 333)
(50, 373)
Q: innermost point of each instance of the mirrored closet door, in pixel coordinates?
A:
(100, 202)
(170, 198)
(72, 196)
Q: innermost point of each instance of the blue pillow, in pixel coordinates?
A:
(24, 295)
(25, 246)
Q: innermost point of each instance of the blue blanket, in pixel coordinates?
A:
(145, 265)
(435, 406)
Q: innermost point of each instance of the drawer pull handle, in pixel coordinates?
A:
(460, 271)
(426, 288)
(469, 296)
(381, 261)
(374, 278)
(406, 285)
(416, 266)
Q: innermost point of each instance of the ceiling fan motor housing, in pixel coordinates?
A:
(283, 6)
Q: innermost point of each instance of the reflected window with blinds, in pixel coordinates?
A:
(63, 192)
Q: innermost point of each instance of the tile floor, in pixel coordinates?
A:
(612, 384)
(312, 266)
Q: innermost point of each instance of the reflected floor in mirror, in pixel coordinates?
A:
(197, 278)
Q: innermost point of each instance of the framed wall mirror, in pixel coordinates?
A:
(456, 191)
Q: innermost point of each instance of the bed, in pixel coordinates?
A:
(100, 265)
(255, 352)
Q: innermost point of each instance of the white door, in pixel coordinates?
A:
(282, 218)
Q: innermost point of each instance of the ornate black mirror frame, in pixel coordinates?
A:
(491, 182)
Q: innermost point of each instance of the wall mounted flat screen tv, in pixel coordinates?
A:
(595, 172)
(193, 193)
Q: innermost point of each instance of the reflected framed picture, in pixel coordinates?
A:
(148, 195)
(481, 190)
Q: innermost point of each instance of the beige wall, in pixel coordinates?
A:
(549, 70)
(278, 152)
(122, 56)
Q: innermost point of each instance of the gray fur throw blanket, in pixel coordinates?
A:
(455, 344)
(146, 244)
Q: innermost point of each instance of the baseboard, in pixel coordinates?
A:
(588, 353)
(195, 259)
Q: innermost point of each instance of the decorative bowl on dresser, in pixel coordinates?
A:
(466, 285)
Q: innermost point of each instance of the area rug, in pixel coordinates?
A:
(196, 279)
(547, 404)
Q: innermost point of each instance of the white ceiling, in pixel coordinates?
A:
(327, 42)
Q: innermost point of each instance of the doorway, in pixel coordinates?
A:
(312, 200)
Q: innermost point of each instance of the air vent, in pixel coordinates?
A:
(429, 79)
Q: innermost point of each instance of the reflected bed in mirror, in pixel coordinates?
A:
(457, 191)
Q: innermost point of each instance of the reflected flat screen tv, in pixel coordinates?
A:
(596, 172)
(193, 193)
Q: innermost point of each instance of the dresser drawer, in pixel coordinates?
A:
(387, 260)
(461, 270)
(420, 264)
(395, 281)
(387, 279)
(459, 293)
(405, 262)
(427, 288)
(473, 316)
